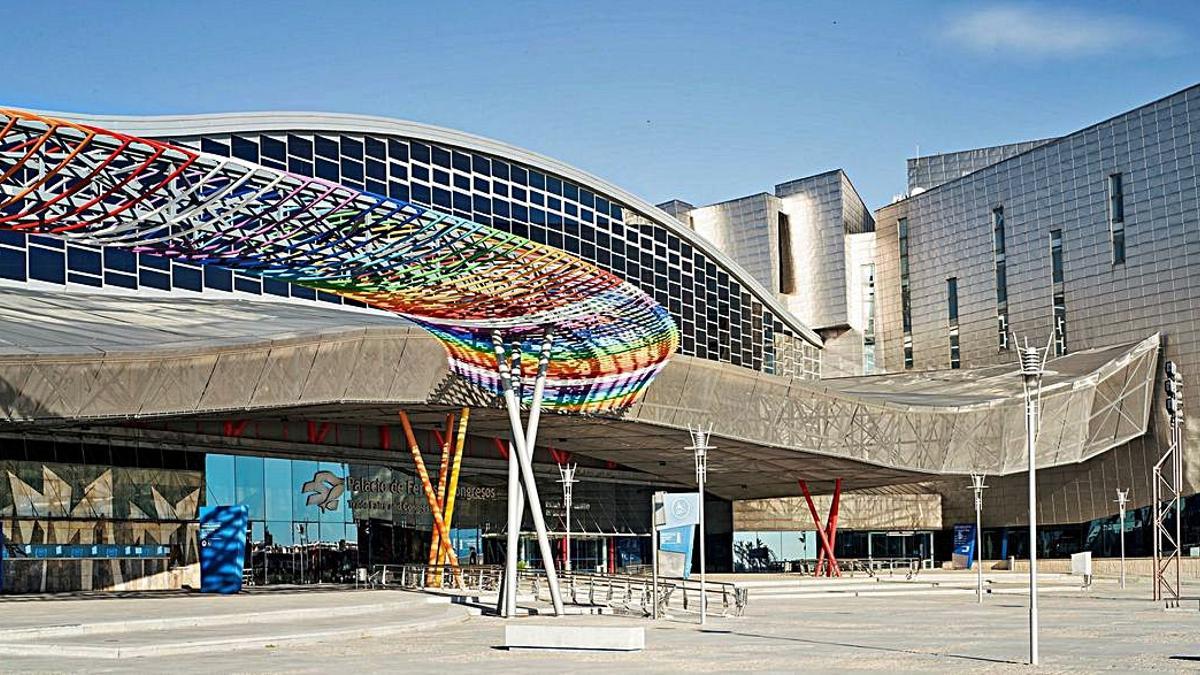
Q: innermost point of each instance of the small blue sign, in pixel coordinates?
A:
(681, 508)
(964, 546)
(222, 548)
(678, 540)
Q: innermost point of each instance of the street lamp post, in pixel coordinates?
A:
(567, 473)
(1032, 369)
(700, 448)
(978, 486)
(1122, 499)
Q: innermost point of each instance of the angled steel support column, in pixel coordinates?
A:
(435, 542)
(831, 528)
(430, 496)
(523, 443)
(455, 468)
(827, 556)
(507, 601)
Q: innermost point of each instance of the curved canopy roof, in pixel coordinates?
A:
(457, 279)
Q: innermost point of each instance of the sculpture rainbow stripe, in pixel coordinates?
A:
(457, 279)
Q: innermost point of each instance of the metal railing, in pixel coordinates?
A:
(627, 593)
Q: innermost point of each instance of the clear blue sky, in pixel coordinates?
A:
(701, 101)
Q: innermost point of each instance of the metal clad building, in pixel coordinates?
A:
(1117, 205)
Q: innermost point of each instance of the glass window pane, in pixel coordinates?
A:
(248, 477)
(302, 472)
(218, 479)
(277, 479)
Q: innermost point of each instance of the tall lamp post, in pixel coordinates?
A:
(567, 473)
(700, 448)
(1032, 368)
(978, 486)
(1121, 500)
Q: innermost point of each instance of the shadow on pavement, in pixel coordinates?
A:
(872, 647)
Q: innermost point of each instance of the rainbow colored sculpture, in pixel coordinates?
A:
(458, 279)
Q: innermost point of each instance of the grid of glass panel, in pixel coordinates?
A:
(868, 304)
(719, 319)
(1001, 276)
(49, 260)
(1060, 300)
(952, 318)
(1116, 217)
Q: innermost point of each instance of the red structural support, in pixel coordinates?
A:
(826, 561)
(317, 431)
(501, 447)
(234, 428)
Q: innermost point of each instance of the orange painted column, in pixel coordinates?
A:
(430, 496)
(459, 445)
(435, 540)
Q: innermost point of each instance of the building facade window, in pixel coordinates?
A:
(868, 304)
(1116, 217)
(1060, 303)
(998, 257)
(905, 293)
(787, 264)
(952, 316)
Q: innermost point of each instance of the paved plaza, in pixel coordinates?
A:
(921, 627)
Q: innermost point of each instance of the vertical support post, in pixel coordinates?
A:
(700, 448)
(516, 497)
(455, 469)
(1032, 367)
(654, 501)
(1031, 423)
(978, 486)
(1168, 488)
(567, 473)
(523, 445)
(1122, 499)
(435, 542)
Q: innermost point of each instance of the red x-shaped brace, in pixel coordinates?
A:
(826, 562)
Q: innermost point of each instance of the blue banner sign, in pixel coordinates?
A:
(964, 546)
(222, 548)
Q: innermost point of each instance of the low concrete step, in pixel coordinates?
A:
(298, 615)
(209, 637)
(593, 638)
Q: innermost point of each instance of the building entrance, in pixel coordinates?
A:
(899, 545)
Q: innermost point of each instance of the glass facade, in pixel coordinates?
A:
(81, 516)
(719, 318)
(1001, 265)
(952, 320)
(1116, 217)
(868, 307)
(1060, 297)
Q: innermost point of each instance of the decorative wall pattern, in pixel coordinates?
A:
(86, 527)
